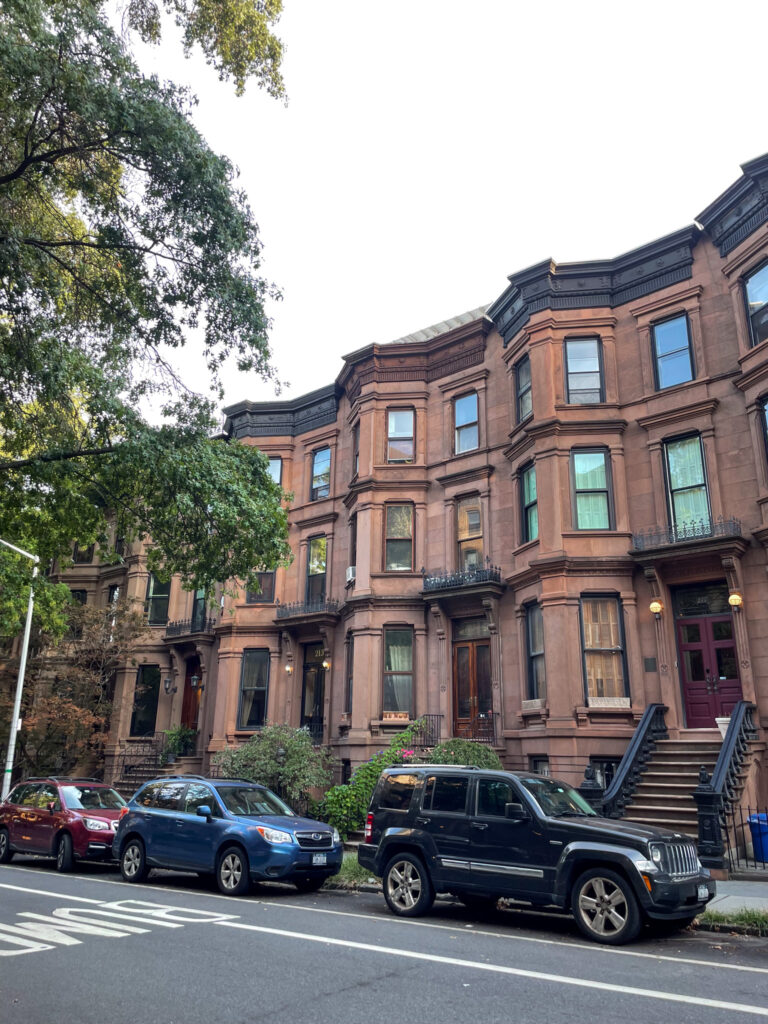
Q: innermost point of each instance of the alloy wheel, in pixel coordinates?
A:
(404, 884)
(603, 906)
(132, 860)
(231, 871)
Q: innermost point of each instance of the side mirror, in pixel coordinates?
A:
(204, 811)
(51, 807)
(515, 811)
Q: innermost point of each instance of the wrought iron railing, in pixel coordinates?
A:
(442, 580)
(746, 839)
(651, 728)
(138, 757)
(481, 728)
(717, 796)
(197, 624)
(428, 731)
(696, 529)
(316, 606)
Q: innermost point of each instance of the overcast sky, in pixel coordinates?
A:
(430, 148)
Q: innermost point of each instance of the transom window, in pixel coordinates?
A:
(469, 529)
(316, 565)
(398, 669)
(321, 474)
(591, 490)
(687, 484)
(672, 355)
(584, 371)
(398, 556)
(529, 502)
(466, 429)
(537, 673)
(523, 389)
(254, 689)
(756, 290)
(400, 445)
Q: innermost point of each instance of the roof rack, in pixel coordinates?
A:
(418, 764)
(249, 782)
(64, 778)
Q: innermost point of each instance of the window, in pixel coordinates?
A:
(469, 530)
(353, 540)
(113, 595)
(321, 474)
(349, 673)
(605, 769)
(199, 795)
(763, 407)
(756, 291)
(688, 500)
(82, 556)
(493, 795)
(395, 791)
(156, 605)
(591, 490)
(537, 672)
(530, 503)
(603, 638)
(356, 448)
(145, 696)
(539, 765)
(672, 354)
(446, 794)
(466, 430)
(275, 468)
(254, 688)
(79, 596)
(398, 669)
(400, 446)
(318, 553)
(199, 609)
(399, 538)
(523, 389)
(583, 371)
(266, 592)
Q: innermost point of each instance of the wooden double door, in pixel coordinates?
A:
(709, 668)
(472, 694)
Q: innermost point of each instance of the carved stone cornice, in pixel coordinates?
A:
(282, 418)
(742, 208)
(678, 414)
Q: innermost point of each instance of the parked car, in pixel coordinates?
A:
(231, 828)
(482, 835)
(62, 817)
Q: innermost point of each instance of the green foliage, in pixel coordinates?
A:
(346, 806)
(458, 751)
(755, 922)
(281, 758)
(179, 741)
(351, 874)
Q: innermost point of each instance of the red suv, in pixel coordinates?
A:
(60, 817)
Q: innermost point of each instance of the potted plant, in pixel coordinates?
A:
(179, 741)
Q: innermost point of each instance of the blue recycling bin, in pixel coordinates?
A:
(758, 826)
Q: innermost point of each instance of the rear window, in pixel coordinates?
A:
(395, 791)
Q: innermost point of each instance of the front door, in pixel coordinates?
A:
(709, 669)
(472, 701)
(190, 704)
(313, 692)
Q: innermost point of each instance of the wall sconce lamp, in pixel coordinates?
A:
(736, 601)
(289, 669)
(656, 607)
(168, 685)
(194, 682)
(326, 663)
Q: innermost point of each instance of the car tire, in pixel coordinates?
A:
(232, 875)
(605, 908)
(65, 855)
(407, 886)
(308, 884)
(133, 861)
(6, 853)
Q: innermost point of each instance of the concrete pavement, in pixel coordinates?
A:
(735, 895)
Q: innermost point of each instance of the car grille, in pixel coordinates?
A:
(680, 859)
(315, 840)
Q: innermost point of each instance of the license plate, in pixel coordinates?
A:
(319, 858)
(703, 892)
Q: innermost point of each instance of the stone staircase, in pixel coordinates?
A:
(664, 795)
(138, 774)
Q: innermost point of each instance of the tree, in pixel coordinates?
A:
(121, 232)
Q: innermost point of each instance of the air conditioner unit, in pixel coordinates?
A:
(351, 574)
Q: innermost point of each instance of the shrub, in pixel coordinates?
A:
(458, 751)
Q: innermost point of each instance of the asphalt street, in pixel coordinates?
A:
(89, 947)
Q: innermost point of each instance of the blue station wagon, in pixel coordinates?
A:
(231, 828)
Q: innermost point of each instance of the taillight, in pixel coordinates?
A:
(369, 828)
(123, 812)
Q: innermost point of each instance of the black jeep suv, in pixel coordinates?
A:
(483, 834)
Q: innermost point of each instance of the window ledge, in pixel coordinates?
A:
(608, 702)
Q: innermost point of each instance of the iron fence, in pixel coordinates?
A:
(197, 624)
(481, 729)
(325, 606)
(746, 839)
(428, 733)
(442, 580)
(695, 529)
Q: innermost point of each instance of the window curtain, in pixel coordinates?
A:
(398, 668)
(686, 478)
(603, 652)
(254, 686)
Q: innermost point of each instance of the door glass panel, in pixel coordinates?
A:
(493, 795)
(694, 665)
(722, 630)
(690, 633)
(483, 673)
(463, 694)
(726, 663)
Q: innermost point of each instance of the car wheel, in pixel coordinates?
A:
(5, 846)
(133, 863)
(232, 872)
(308, 884)
(605, 907)
(407, 886)
(65, 857)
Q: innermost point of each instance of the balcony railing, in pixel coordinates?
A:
(696, 529)
(324, 606)
(442, 580)
(197, 624)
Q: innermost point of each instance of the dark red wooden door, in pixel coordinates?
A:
(709, 669)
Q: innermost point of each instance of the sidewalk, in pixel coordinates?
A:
(733, 895)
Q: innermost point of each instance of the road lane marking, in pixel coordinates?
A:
(603, 986)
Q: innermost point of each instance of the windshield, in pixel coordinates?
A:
(556, 798)
(252, 800)
(92, 798)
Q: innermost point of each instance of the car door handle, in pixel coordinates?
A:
(423, 821)
(179, 823)
(480, 824)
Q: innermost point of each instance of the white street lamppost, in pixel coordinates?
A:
(22, 668)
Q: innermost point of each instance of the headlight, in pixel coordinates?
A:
(656, 854)
(336, 836)
(96, 824)
(274, 835)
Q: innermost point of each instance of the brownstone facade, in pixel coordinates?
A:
(483, 513)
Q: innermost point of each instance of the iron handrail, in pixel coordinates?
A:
(651, 727)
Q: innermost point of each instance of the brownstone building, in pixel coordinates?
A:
(529, 523)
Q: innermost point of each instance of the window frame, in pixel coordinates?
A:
(655, 351)
(527, 506)
(243, 689)
(396, 538)
(670, 492)
(569, 396)
(524, 393)
(152, 599)
(387, 673)
(458, 428)
(607, 490)
(471, 538)
(355, 449)
(762, 407)
(531, 655)
(155, 685)
(267, 593)
(310, 575)
(318, 492)
(349, 671)
(272, 459)
(396, 440)
(746, 278)
(621, 650)
(83, 556)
